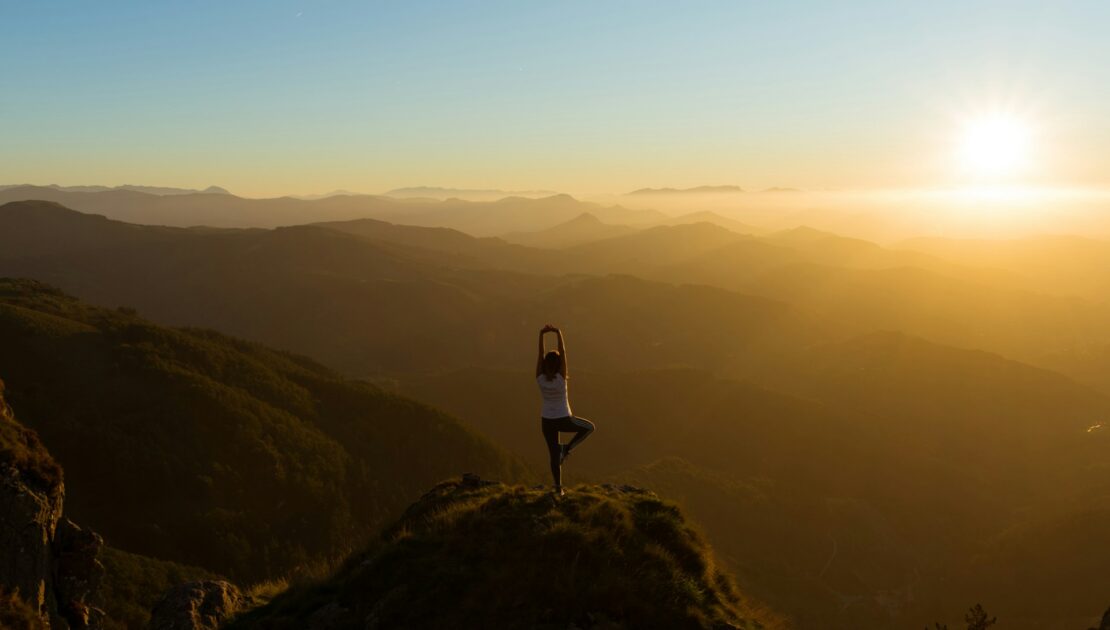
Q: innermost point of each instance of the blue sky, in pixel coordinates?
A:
(283, 97)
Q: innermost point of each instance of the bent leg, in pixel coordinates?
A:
(551, 436)
(582, 430)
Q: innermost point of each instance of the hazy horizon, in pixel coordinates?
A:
(288, 98)
(886, 216)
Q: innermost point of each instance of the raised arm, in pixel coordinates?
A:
(562, 352)
(539, 356)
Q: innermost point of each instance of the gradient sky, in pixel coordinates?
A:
(281, 97)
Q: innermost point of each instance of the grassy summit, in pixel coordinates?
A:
(476, 554)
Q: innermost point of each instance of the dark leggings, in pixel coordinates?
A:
(580, 427)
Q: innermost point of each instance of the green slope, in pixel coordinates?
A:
(199, 448)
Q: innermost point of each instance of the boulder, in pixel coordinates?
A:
(197, 606)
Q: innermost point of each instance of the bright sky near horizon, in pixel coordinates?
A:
(269, 97)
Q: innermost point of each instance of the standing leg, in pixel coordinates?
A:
(551, 436)
(582, 430)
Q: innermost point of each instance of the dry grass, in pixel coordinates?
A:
(516, 557)
(21, 449)
(17, 614)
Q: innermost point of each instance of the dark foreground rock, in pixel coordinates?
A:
(197, 606)
(52, 563)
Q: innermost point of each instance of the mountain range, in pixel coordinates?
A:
(871, 436)
(469, 194)
(697, 190)
(482, 218)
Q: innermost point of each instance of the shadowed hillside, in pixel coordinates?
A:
(195, 447)
(485, 555)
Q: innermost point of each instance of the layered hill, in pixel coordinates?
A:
(372, 298)
(706, 216)
(585, 228)
(470, 194)
(374, 275)
(696, 190)
(477, 554)
(1068, 265)
(196, 447)
(864, 286)
(1059, 265)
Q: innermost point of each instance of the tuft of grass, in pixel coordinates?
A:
(265, 591)
(20, 448)
(16, 613)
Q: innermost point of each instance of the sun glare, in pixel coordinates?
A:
(996, 146)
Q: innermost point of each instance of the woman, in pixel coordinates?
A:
(555, 415)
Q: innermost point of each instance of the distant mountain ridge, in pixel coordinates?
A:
(706, 190)
(585, 228)
(696, 190)
(470, 194)
(477, 218)
(150, 190)
(708, 216)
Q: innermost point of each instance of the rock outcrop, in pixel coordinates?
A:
(202, 605)
(28, 522)
(51, 562)
(78, 574)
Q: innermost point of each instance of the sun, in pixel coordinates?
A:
(996, 145)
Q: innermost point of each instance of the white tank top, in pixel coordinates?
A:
(554, 392)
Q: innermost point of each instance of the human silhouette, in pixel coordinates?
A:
(555, 414)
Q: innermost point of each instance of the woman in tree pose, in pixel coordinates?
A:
(555, 415)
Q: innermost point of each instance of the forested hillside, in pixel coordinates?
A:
(192, 446)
